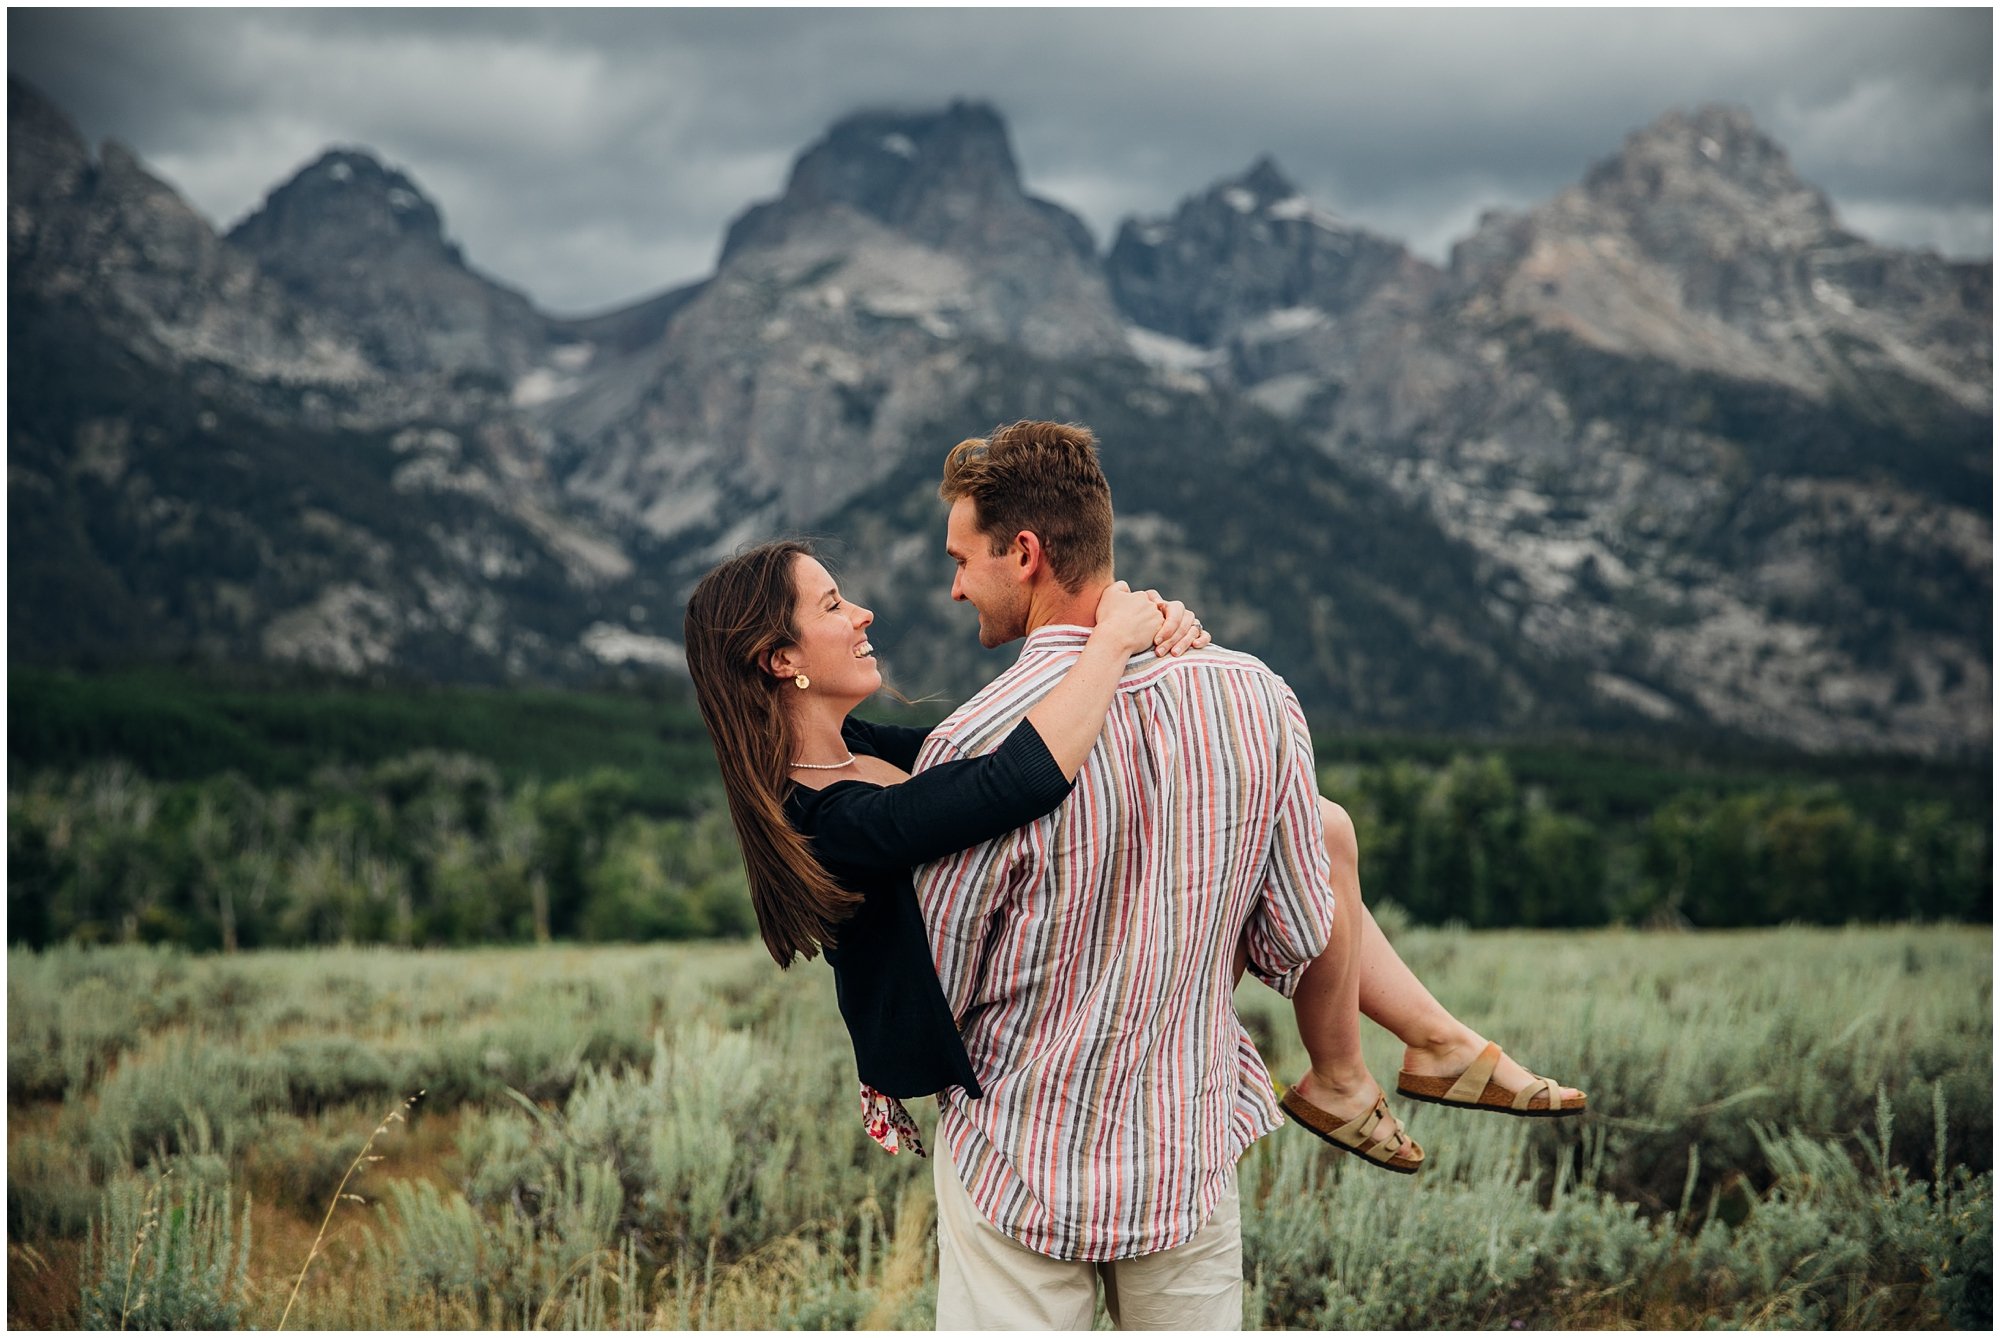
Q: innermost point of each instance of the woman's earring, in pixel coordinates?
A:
(802, 681)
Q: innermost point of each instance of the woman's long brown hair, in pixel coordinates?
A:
(738, 615)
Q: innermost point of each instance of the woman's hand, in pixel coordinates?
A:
(1181, 630)
(1128, 620)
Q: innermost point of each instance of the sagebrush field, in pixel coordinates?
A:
(1791, 1127)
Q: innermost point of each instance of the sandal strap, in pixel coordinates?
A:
(1376, 1133)
(1549, 1087)
(1393, 1137)
(1359, 1126)
(1472, 1083)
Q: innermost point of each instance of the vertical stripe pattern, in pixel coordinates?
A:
(1088, 956)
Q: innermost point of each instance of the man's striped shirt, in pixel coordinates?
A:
(1089, 955)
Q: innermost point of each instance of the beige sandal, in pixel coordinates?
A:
(1476, 1089)
(1372, 1135)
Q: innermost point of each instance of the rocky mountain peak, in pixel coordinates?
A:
(40, 139)
(1657, 457)
(346, 204)
(1714, 168)
(360, 243)
(916, 218)
(1714, 138)
(108, 243)
(1249, 246)
(884, 162)
(47, 160)
(1265, 182)
(1698, 244)
(839, 312)
(943, 178)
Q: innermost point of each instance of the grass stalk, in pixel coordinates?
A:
(147, 1216)
(397, 1114)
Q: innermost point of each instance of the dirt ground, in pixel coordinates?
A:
(45, 1282)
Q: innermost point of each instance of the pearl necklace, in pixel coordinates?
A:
(825, 766)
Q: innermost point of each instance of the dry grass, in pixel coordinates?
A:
(149, 1218)
(398, 1114)
(742, 1196)
(44, 1285)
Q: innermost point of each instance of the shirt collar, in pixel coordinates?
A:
(1062, 637)
(1056, 636)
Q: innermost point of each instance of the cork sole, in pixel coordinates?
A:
(1495, 1098)
(1397, 1167)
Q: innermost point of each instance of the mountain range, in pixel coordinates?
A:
(1671, 451)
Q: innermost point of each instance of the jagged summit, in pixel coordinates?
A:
(1697, 243)
(882, 161)
(920, 216)
(1248, 246)
(362, 243)
(1665, 447)
(902, 238)
(107, 242)
(347, 204)
(1684, 148)
(943, 178)
(34, 120)
(1710, 170)
(1265, 183)
(46, 160)
(1689, 189)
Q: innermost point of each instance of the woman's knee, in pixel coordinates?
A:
(1342, 847)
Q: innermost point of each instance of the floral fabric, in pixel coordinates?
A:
(889, 1123)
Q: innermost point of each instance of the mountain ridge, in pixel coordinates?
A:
(348, 235)
(1588, 471)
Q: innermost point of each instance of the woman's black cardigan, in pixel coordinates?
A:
(870, 837)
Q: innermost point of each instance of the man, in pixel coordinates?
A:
(1090, 957)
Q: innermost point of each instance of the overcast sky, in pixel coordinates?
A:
(591, 158)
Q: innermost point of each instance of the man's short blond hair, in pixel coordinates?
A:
(1042, 477)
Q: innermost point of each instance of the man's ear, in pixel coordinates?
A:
(1029, 555)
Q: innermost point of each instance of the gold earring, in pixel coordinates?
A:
(802, 681)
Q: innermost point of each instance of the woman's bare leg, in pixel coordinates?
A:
(1437, 1045)
(1361, 974)
(1326, 1004)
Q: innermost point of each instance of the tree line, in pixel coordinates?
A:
(430, 849)
(438, 848)
(1467, 842)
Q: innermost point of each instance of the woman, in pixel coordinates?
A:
(831, 823)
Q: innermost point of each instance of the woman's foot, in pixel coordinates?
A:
(1369, 1133)
(1343, 1095)
(1449, 1056)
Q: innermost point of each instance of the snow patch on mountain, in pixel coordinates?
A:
(621, 645)
(1163, 350)
(1282, 323)
(1298, 207)
(541, 386)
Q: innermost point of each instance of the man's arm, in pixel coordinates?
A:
(1294, 913)
(960, 896)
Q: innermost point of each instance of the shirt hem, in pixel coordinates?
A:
(1271, 1124)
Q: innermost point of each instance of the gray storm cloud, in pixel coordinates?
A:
(592, 158)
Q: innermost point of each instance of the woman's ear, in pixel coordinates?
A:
(779, 663)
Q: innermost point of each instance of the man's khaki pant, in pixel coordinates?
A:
(989, 1280)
